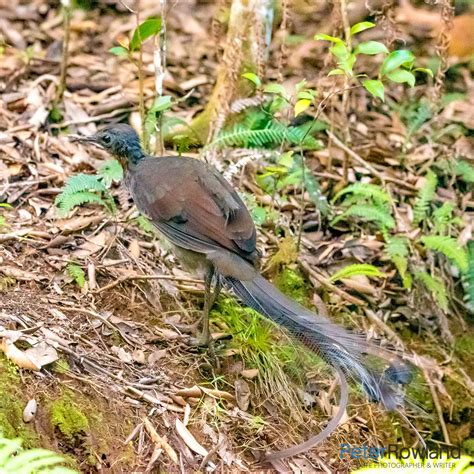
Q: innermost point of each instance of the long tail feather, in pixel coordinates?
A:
(345, 351)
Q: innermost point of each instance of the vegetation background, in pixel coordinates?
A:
(347, 125)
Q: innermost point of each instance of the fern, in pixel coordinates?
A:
(274, 133)
(469, 276)
(443, 218)
(364, 190)
(110, 171)
(425, 198)
(435, 285)
(465, 171)
(449, 247)
(69, 201)
(85, 188)
(368, 212)
(77, 273)
(357, 269)
(83, 182)
(397, 250)
(301, 137)
(245, 138)
(15, 460)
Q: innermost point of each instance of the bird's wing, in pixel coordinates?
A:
(193, 205)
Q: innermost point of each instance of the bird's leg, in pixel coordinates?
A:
(209, 299)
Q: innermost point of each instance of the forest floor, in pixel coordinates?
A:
(101, 306)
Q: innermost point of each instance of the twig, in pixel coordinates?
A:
(355, 156)
(64, 59)
(437, 404)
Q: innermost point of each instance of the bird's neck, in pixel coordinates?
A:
(131, 153)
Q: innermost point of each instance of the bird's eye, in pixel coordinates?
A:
(106, 139)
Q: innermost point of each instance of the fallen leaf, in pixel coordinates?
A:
(190, 441)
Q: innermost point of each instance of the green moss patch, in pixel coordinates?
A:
(68, 418)
(12, 403)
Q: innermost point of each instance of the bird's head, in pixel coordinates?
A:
(120, 140)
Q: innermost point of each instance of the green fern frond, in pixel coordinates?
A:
(469, 276)
(15, 460)
(357, 269)
(449, 247)
(82, 182)
(425, 198)
(443, 218)
(370, 213)
(364, 190)
(110, 171)
(257, 118)
(67, 202)
(397, 250)
(274, 133)
(434, 285)
(465, 171)
(301, 136)
(77, 273)
(396, 246)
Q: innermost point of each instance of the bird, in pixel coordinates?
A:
(212, 233)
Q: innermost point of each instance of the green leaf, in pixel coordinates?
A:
(401, 76)
(275, 89)
(324, 37)
(119, 51)
(357, 269)
(425, 70)
(370, 48)
(396, 59)
(307, 94)
(301, 105)
(340, 51)
(336, 72)
(160, 104)
(375, 87)
(252, 78)
(259, 215)
(362, 26)
(148, 28)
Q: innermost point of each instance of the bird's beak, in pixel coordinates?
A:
(83, 139)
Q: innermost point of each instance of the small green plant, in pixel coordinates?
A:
(77, 273)
(371, 203)
(425, 198)
(151, 119)
(357, 269)
(397, 66)
(86, 188)
(3, 220)
(469, 277)
(367, 202)
(16, 460)
(290, 170)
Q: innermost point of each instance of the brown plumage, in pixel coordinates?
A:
(200, 213)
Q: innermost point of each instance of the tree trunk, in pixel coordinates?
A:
(246, 49)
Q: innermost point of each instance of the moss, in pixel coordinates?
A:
(12, 403)
(61, 366)
(464, 346)
(292, 283)
(468, 446)
(68, 418)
